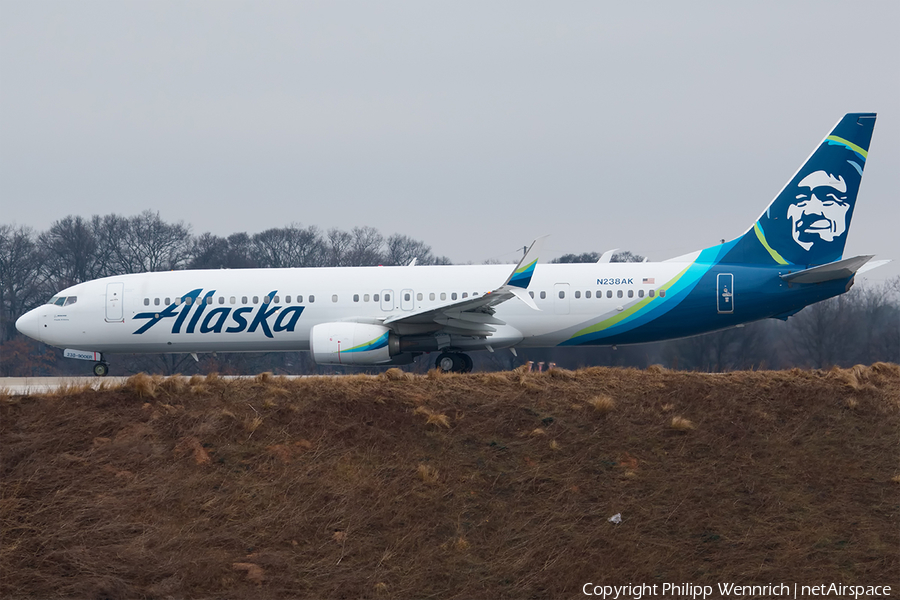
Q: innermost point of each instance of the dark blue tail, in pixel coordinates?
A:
(807, 222)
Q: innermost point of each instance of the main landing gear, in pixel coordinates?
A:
(454, 362)
(101, 369)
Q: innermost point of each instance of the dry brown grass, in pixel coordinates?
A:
(469, 486)
(681, 424)
(602, 403)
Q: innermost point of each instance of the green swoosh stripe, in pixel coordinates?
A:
(762, 240)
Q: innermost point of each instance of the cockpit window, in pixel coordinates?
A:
(60, 301)
(71, 300)
(53, 300)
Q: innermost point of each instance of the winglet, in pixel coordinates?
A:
(521, 275)
(607, 256)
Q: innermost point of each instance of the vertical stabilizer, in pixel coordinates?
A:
(807, 222)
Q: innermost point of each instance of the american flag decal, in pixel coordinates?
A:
(649, 280)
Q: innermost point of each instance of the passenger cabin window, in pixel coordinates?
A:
(299, 299)
(208, 299)
(277, 300)
(543, 295)
(221, 299)
(232, 300)
(651, 293)
(387, 297)
(587, 294)
(287, 299)
(312, 298)
(188, 300)
(406, 297)
(530, 293)
(453, 296)
(619, 294)
(640, 293)
(146, 302)
(578, 294)
(266, 300)
(334, 297)
(365, 297)
(662, 293)
(375, 297)
(356, 297)
(431, 296)
(562, 294)
(243, 299)
(465, 294)
(168, 301)
(443, 295)
(255, 299)
(631, 293)
(609, 293)
(419, 296)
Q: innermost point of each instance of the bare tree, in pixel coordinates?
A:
(626, 256)
(365, 248)
(821, 334)
(592, 257)
(337, 247)
(741, 347)
(401, 249)
(288, 247)
(586, 257)
(147, 243)
(208, 251)
(70, 252)
(20, 276)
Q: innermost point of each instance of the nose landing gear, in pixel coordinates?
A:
(101, 369)
(454, 362)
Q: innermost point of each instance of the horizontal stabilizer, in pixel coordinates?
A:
(873, 265)
(841, 269)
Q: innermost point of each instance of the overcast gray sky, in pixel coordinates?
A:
(657, 127)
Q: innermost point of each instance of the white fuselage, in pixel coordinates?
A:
(128, 313)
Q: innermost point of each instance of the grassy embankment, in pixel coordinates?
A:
(496, 485)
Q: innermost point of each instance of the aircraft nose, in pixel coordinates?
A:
(30, 324)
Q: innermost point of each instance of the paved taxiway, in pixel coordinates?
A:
(22, 386)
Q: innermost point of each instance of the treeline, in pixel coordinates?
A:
(34, 266)
(862, 326)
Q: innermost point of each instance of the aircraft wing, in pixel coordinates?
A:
(474, 316)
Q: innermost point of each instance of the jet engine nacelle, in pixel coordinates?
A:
(352, 344)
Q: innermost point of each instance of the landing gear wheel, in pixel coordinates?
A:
(101, 369)
(447, 362)
(453, 362)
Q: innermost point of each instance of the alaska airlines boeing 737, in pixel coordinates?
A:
(790, 257)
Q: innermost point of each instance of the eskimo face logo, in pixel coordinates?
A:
(819, 212)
